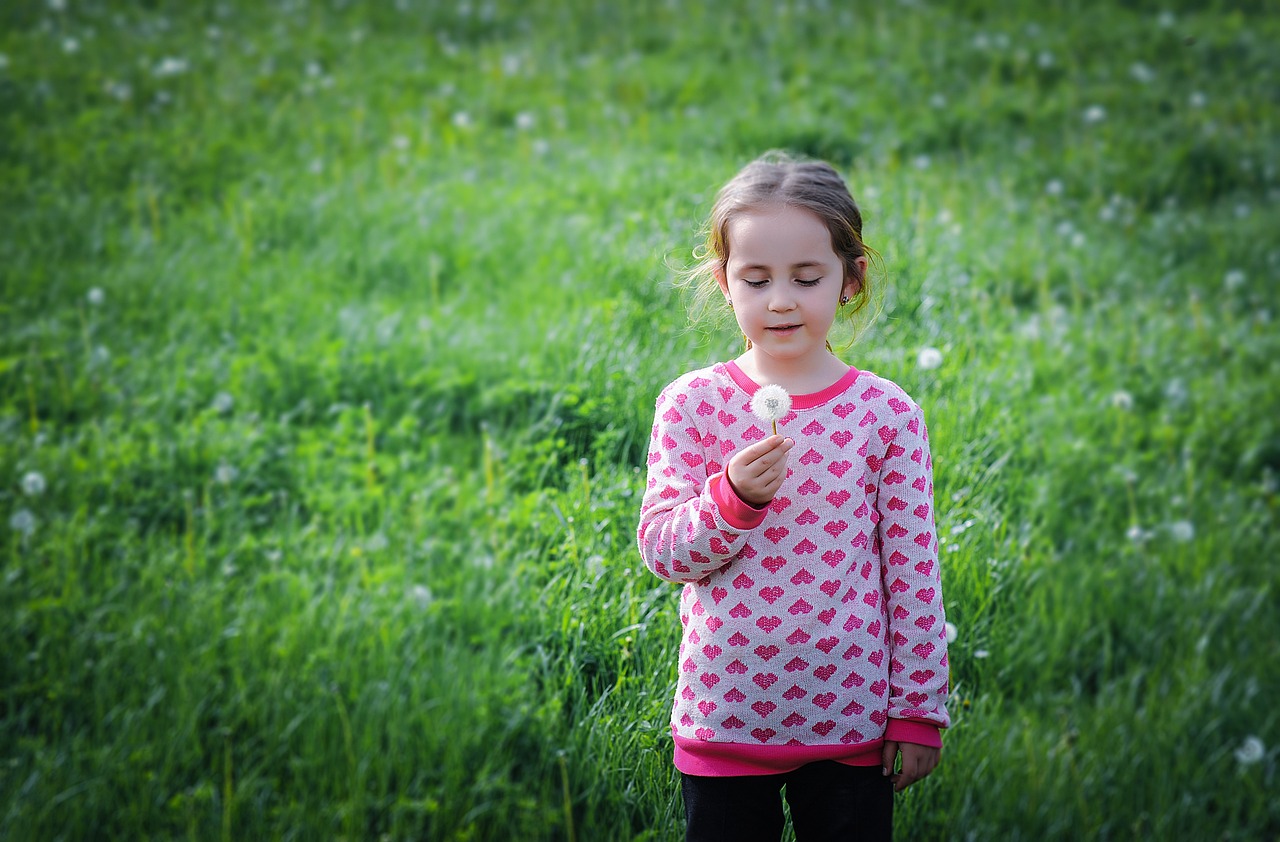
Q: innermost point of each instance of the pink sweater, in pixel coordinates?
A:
(813, 629)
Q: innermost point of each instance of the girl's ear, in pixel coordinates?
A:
(853, 283)
(721, 278)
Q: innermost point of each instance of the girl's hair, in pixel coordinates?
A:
(779, 178)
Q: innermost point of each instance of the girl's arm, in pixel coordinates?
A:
(912, 582)
(692, 522)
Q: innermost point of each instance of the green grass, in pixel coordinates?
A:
(335, 341)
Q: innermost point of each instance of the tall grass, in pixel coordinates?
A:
(330, 338)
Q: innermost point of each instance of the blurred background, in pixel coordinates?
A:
(329, 339)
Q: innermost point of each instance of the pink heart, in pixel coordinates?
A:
(800, 607)
(764, 708)
(825, 672)
(736, 667)
(921, 676)
(707, 707)
(827, 616)
(794, 692)
(798, 637)
(887, 433)
(742, 580)
(824, 700)
(835, 527)
(795, 664)
(809, 487)
(833, 557)
(718, 593)
(764, 680)
(805, 547)
(776, 533)
(844, 410)
(767, 652)
(739, 639)
(763, 734)
(841, 437)
(813, 428)
(793, 719)
(811, 457)
(710, 679)
(925, 594)
(838, 498)
(899, 406)
(826, 644)
(830, 587)
(878, 687)
(735, 695)
(840, 467)
(778, 504)
(768, 624)
(854, 680)
(774, 563)
(824, 728)
(807, 517)
(871, 394)
(802, 577)
(771, 593)
(877, 657)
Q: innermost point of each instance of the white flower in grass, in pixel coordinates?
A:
(1197, 99)
(222, 403)
(1182, 530)
(1136, 534)
(524, 121)
(70, 45)
(1142, 73)
(421, 594)
(1121, 399)
(95, 296)
(771, 404)
(981, 654)
(929, 358)
(1234, 279)
(1054, 187)
(1095, 114)
(952, 633)
(462, 120)
(22, 522)
(57, 5)
(33, 484)
(1251, 751)
(1045, 59)
(400, 142)
(4, 61)
(225, 474)
(170, 66)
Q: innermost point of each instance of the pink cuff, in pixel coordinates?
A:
(913, 731)
(739, 513)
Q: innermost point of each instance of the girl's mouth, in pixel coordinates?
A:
(783, 328)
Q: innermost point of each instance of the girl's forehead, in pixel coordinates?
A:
(778, 234)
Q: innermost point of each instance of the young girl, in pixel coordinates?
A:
(814, 647)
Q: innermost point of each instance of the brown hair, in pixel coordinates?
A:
(778, 178)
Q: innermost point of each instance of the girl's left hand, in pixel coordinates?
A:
(917, 762)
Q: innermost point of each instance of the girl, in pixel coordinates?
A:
(813, 651)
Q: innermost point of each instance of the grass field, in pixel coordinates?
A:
(329, 339)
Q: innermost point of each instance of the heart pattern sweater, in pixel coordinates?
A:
(812, 628)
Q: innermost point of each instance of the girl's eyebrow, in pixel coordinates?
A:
(760, 267)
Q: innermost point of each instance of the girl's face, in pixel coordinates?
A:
(784, 282)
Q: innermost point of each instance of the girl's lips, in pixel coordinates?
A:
(782, 328)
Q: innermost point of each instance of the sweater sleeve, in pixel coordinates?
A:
(918, 682)
(691, 522)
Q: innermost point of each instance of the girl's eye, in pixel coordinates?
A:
(754, 284)
(808, 282)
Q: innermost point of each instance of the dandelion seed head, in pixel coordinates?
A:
(225, 474)
(1136, 533)
(33, 484)
(421, 594)
(952, 633)
(170, 66)
(462, 120)
(771, 403)
(400, 142)
(223, 402)
(1182, 530)
(1120, 399)
(70, 46)
(1197, 99)
(1251, 751)
(1094, 114)
(95, 296)
(524, 121)
(1045, 59)
(23, 522)
(929, 358)
(57, 5)
(1142, 73)
(938, 100)
(921, 162)
(1054, 187)
(980, 654)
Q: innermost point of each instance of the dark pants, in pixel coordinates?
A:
(828, 800)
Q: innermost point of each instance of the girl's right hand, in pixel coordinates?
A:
(756, 472)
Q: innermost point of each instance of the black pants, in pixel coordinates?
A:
(829, 801)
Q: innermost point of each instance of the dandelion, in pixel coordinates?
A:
(23, 522)
(314, 69)
(1095, 114)
(524, 121)
(170, 66)
(400, 142)
(223, 402)
(421, 594)
(980, 654)
(1197, 99)
(57, 5)
(1054, 187)
(1182, 530)
(938, 100)
(225, 474)
(1142, 73)
(1251, 751)
(1120, 399)
(70, 46)
(1166, 19)
(120, 91)
(377, 542)
(1136, 534)
(33, 484)
(1045, 59)
(1234, 279)
(770, 404)
(921, 162)
(952, 633)
(929, 358)
(462, 120)
(95, 296)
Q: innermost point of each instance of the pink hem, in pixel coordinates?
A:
(737, 512)
(722, 760)
(913, 731)
(797, 401)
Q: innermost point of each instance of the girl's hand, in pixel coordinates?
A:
(917, 762)
(756, 472)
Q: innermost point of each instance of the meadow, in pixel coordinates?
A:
(329, 339)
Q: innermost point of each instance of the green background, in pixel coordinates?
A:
(329, 339)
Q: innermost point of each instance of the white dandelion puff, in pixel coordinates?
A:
(1054, 187)
(1121, 399)
(170, 66)
(70, 45)
(462, 120)
(1251, 751)
(525, 121)
(1197, 99)
(929, 358)
(952, 633)
(57, 5)
(95, 296)
(981, 653)
(1234, 279)
(1182, 530)
(1095, 114)
(23, 522)
(223, 402)
(421, 594)
(225, 474)
(33, 484)
(770, 404)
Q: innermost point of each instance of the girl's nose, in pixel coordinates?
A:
(781, 301)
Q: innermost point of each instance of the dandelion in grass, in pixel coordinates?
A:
(524, 121)
(223, 402)
(929, 358)
(23, 522)
(95, 296)
(952, 633)
(225, 474)
(1045, 59)
(462, 120)
(1142, 73)
(70, 46)
(33, 484)
(57, 5)
(1197, 99)
(1120, 399)
(770, 404)
(981, 654)
(1095, 114)
(1054, 187)
(170, 66)
(1182, 530)
(1251, 751)
(421, 594)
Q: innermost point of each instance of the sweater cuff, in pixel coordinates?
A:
(737, 512)
(913, 731)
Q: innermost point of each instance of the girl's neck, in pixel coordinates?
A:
(799, 377)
